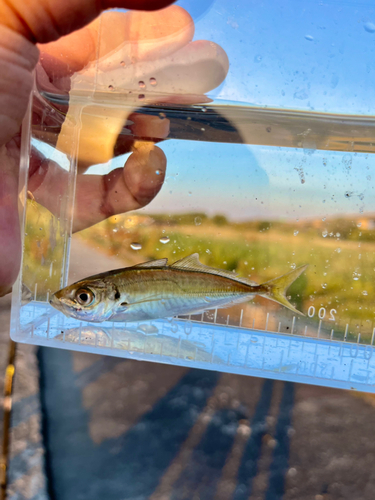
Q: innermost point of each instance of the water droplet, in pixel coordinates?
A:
(136, 246)
(115, 230)
(141, 84)
(162, 116)
(203, 129)
(110, 87)
(141, 97)
(324, 285)
(204, 110)
(325, 233)
(122, 63)
(208, 251)
(356, 275)
(295, 233)
(359, 224)
(164, 240)
(309, 38)
(157, 172)
(189, 193)
(369, 27)
(258, 58)
(364, 292)
(198, 221)
(153, 81)
(338, 249)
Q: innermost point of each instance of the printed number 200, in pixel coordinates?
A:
(322, 313)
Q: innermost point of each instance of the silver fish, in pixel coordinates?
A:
(154, 290)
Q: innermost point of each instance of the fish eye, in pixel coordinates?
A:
(84, 297)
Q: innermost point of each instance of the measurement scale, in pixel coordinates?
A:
(310, 352)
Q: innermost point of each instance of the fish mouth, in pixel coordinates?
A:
(66, 306)
(55, 302)
(60, 303)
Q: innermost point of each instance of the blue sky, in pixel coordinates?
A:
(257, 182)
(310, 55)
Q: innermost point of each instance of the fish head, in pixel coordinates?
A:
(86, 300)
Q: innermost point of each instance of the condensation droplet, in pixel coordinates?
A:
(122, 63)
(136, 246)
(198, 221)
(364, 292)
(141, 84)
(162, 116)
(153, 81)
(204, 110)
(110, 87)
(164, 240)
(359, 224)
(141, 97)
(324, 285)
(325, 233)
(369, 27)
(295, 233)
(309, 38)
(115, 230)
(157, 172)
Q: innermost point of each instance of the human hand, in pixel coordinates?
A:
(132, 187)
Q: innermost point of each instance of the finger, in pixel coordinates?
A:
(47, 180)
(17, 60)
(140, 35)
(47, 20)
(10, 246)
(193, 70)
(98, 197)
(146, 127)
(130, 188)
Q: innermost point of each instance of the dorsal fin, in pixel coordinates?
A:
(192, 263)
(153, 263)
(189, 262)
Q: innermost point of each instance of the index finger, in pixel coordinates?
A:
(147, 35)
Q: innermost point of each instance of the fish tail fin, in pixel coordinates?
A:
(276, 289)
